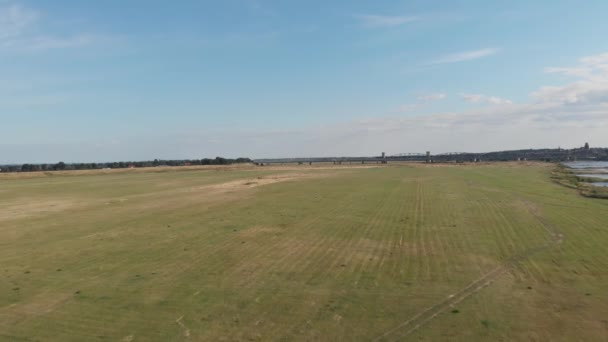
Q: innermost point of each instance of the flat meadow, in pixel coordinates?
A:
(322, 252)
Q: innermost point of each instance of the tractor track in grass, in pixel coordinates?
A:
(425, 316)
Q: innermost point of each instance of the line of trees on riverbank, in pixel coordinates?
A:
(120, 165)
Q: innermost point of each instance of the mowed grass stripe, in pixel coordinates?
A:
(286, 253)
(370, 243)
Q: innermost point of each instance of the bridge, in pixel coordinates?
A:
(548, 154)
(418, 154)
(407, 156)
(309, 160)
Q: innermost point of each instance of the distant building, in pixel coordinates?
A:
(586, 146)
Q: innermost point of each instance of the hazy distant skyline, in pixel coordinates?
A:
(138, 80)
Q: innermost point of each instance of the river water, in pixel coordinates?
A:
(588, 165)
(594, 175)
(582, 168)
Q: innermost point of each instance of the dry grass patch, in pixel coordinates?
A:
(261, 181)
(34, 208)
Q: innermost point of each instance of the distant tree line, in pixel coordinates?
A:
(546, 155)
(549, 155)
(120, 165)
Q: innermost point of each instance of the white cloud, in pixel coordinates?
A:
(432, 97)
(472, 98)
(600, 60)
(465, 56)
(583, 92)
(409, 107)
(480, 130)
(591, 67)
(498, 100)
(591, 88)
(423, 101)
(374, 21)
(484, 99)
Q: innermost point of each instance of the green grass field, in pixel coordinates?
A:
(473, 252)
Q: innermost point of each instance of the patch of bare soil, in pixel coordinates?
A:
(211, 194)
(39, 305)
(257, 231)
(260, 181)
(181, 324)
(13, 211)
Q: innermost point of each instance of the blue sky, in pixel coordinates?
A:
(134, 80)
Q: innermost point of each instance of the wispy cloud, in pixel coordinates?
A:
(40, 43)
(376, 21)
(576, 71)
(409, 107)
(432, 97)
(21, 30)
(465, 56)
(591, 67)
(422, 101)
(485, 99)
(236, 39)
(591, 88)
(260, 8)
(14, 20)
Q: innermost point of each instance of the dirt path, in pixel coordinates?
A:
(406, 328)
(183, 326)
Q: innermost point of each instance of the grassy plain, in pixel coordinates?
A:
(400, 252)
